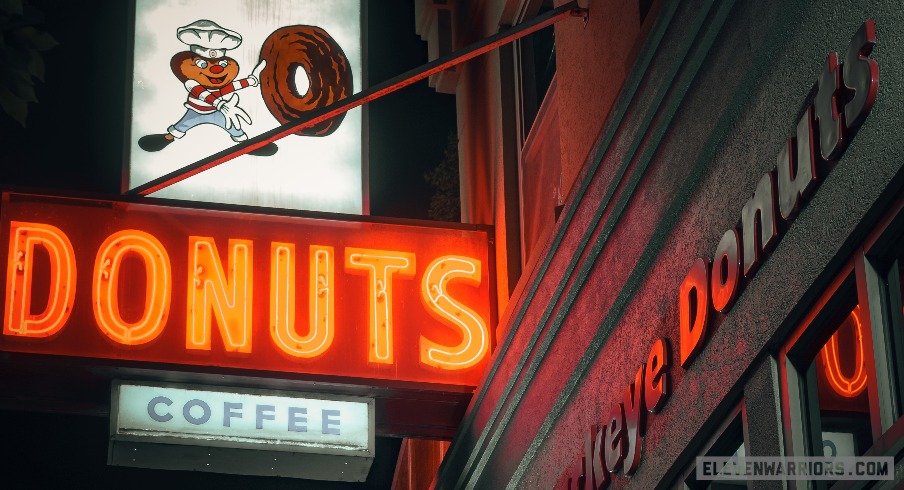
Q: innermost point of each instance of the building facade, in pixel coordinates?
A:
(698, 237)
(696, 222)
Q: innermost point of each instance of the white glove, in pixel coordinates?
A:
(256, 73)
(234, 114)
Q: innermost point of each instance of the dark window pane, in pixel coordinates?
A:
(538, 67)
(544, 60)
(730, 443)
(896, 317)
(644, 7)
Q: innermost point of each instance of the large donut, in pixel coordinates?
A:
(313, 49)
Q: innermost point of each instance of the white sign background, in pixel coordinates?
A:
(312, 173)
(132, 418)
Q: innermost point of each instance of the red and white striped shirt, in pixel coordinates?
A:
(204, 101)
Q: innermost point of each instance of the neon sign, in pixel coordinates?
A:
(380, 266)
(229, 298)
(475, 343)
(105, 290)
(320, 306)
(222, 289)
(844, 385)
(23, 238)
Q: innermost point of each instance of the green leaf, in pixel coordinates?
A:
(33, 38)
(11, 6)
(36, 65)
(14, 106)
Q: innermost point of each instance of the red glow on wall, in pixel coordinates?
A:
(248, 291)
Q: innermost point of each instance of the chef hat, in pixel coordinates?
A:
(208, 39)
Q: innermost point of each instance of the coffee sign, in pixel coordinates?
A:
(234, 417)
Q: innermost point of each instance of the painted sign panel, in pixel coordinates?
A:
(232, 417)
(207, 75)
(235, 289)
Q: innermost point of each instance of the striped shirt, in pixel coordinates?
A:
(204, 101)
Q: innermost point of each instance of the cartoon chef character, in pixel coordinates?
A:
(209, 76)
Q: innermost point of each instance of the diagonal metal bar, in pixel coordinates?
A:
(317, 116)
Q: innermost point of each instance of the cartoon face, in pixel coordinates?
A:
(210, 73)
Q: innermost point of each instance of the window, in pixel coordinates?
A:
(537, 63)
(530, 137)
(842, 370)
(727, 442)
(841, 401)
(828, 373)
(896, 310)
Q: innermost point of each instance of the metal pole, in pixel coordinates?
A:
(317, 116)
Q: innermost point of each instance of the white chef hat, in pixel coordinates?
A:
(208, 39)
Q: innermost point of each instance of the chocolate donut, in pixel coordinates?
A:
(314, 50)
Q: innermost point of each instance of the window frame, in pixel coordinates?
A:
(517, 79)
(736, 415)
(882, 274)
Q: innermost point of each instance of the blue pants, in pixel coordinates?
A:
(193, 118)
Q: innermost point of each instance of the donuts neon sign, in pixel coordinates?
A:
(184, 286)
